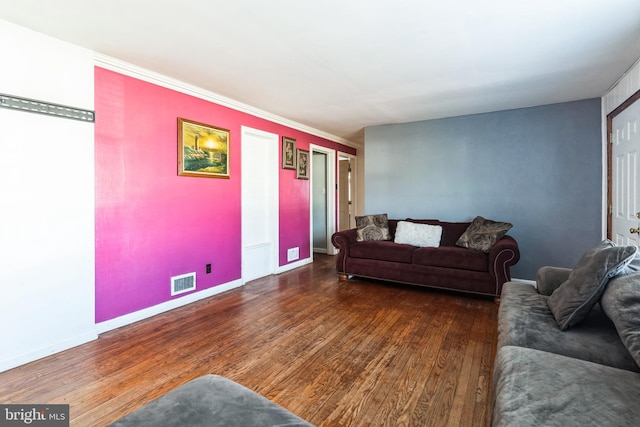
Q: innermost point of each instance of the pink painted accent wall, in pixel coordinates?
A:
(152, 224)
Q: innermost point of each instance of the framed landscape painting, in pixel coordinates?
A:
(203, 150)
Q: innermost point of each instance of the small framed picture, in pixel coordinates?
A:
(203, 150)
(288, 153)
(302, 160)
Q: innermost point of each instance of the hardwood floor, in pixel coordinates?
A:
(336, 353)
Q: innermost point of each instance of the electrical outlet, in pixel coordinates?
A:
(208, 268)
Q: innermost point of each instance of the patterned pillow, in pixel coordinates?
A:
(482, 234)
(372, 227)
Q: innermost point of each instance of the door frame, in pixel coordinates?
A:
(274, 210)
(353, 162)
(331, 197)
(619, 109)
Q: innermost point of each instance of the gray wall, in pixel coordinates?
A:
(539, 168)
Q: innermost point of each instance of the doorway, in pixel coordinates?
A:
(319, 197)
(346, 191)
(259, 203)
(323, 199)
(624, 172)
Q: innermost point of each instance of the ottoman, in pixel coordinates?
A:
(211, 400)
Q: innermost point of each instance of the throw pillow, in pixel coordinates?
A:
(482, 234)
(572, 301)
(621, 303)
(372, 227)
(422, 235)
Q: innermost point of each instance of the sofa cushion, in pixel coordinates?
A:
(382, 250)
(548, 278)
(422, 235)
(210, 400)
(536, 388)
(574, 298)
(525, 320)
(621, 303)
(482, 234)
(451, 257)
(372, 227)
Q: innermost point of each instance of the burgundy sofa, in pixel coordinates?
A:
(446, 267)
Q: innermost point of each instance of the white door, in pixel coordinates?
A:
(259, 203)
(625, 175)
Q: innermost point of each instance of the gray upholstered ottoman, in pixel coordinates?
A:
(211, 400)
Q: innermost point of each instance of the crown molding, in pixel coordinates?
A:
(149, 76)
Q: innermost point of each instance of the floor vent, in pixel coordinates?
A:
(183, 283)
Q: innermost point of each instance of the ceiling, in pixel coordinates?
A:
(341, 65)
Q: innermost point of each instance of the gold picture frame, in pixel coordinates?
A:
(288, 153)
(203, 150)
(302, 164)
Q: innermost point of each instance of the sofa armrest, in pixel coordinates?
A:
(343, 241)
(549, 279)
(502, 255)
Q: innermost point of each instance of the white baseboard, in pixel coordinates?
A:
(134, 317)
(130, 318)
(293, 265)
(31, 356)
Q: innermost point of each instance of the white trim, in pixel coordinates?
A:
(623, 89)
(145, 313)
(274, 214)
(149, 76)
(604, 211)
(331, 196)
(353, 161)
(294, 265)
(14, 362)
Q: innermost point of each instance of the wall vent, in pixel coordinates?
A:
(293, 254)
(183, 283)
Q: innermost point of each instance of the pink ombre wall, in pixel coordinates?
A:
(152, 224)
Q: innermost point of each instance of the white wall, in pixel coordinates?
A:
(47, 200)
(628, 84)
(622, 90)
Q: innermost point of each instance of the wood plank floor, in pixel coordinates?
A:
(351, 353)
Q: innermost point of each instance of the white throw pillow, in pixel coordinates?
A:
(422, 235)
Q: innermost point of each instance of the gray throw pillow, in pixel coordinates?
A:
(621, 303)
(372, 227)
(572, 301)
(482, 234)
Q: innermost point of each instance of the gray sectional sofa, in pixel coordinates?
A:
(569, 348)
